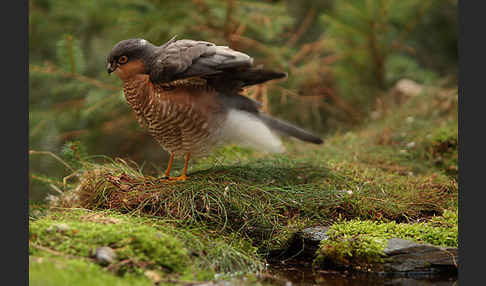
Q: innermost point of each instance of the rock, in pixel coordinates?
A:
(305, 243)
(411, 144)
(105, 255)
(408, 87)
(408, 256)
(60, 227)
(395, 244)
(315, 234)
(153, 275)
(405, 88)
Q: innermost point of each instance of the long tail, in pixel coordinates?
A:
(243, 77)
(259, 75)
(289, 129)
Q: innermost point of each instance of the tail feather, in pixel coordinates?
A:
(243, 77)
(289, 129)
(259, 75)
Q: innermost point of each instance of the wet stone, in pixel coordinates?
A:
(305, 243)
(396, 244)
(315, 234)
(408, 256)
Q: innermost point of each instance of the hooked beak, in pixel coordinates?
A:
(111, 68)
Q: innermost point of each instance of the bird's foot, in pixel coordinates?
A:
(181, 178)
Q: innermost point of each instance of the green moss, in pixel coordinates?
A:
(55, 270)
(48, 271)
(449, 219)
(142, 244)
(358, 242)
(441, 147)
(351, 251)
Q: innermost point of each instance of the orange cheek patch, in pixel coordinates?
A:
(130, 69)
(119, 72)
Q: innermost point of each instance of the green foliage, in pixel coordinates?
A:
(351, 251)
(434, 39)
(401, 66)
(359, 242)
(360, 35)
(70, 55)
(375, 43)
(442, 148)
(443, 235)
(140, 243)
(74, 152)
(148, 244)
(449, 218)
(52, 271)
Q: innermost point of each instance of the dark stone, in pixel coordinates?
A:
(304, 244)
(395, 244)
(408, 256)
(315, 234)
(404, 258)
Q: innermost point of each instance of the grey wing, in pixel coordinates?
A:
(188, 58)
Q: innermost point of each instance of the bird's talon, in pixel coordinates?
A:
(163, 179)
(181, 178)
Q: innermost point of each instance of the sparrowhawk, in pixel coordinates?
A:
(188, 95)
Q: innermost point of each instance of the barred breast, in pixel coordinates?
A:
(179, 116)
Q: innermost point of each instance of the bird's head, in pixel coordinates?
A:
(129, 57)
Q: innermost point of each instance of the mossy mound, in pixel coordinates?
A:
(260, 200)
(362, 243)
(140, 244)
(50, 271)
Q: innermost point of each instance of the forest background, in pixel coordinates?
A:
(343, 59)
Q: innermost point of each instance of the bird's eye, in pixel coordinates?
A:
(123, 60)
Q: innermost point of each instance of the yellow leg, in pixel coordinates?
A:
(183, 177)
(169, 166)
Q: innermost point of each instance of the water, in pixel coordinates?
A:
(302, 275)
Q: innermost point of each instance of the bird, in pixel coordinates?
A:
(189, 95)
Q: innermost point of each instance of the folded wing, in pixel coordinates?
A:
(188, 58)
